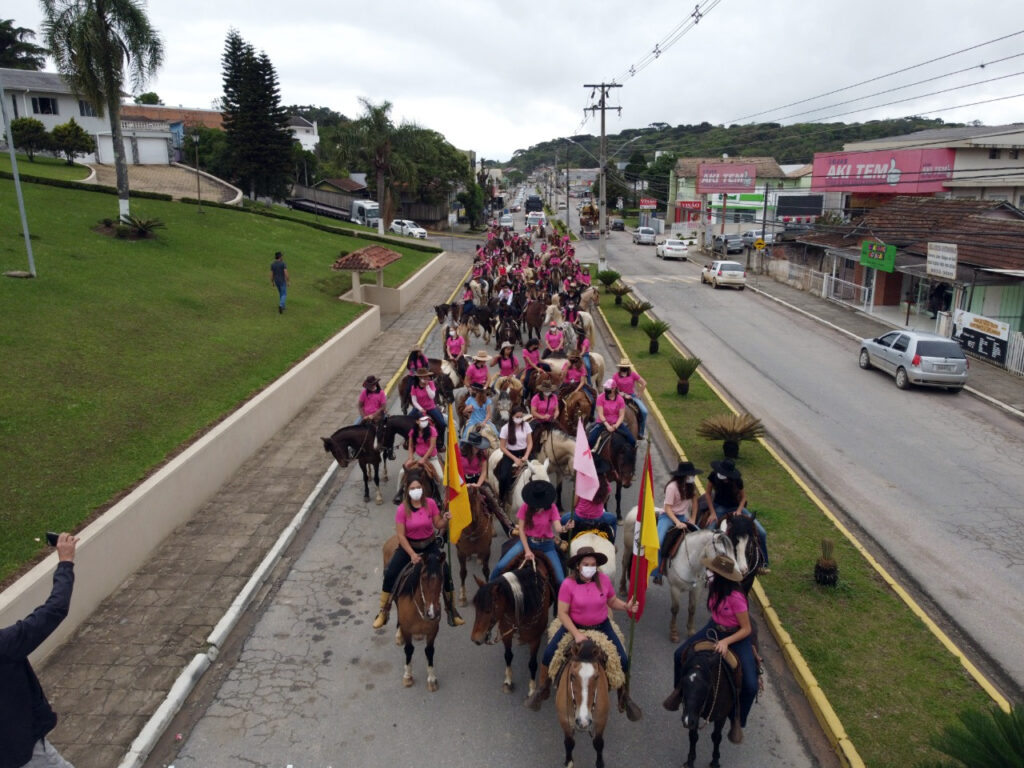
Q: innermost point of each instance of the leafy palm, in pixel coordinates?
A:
(16, 52)
(993, 739)
(380, 147)
(97, 45)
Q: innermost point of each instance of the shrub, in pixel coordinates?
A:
(684, 367)
(608, 277)
(983, 740)
(636, 307)
(30, 136)
(731, 426)
(140, 227)
(653, 328)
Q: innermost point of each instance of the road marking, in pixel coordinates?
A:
(645, 280)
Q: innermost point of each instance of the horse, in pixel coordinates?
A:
(481, 320)
(517, 605)
(476, 537)
(508, 330)
(444, 310)
(590, 299)
(621, 455)
(512, 385)
(575, 406)
(531, 470)
(582, 698)
(709, 695)
(557, 448)
(358, 443)
(533, 318)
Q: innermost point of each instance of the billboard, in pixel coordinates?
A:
(647, 204)
(903, 171)
(982, 335)
(878, 256)
(799, 205)
(725, 177)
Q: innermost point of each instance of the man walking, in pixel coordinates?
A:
(25, 714)
(279, 278)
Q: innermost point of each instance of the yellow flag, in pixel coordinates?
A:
(649, 524)
(458, 495)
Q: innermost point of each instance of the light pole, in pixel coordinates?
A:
(17, 188)
(199, 189)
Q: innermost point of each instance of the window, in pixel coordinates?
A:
(14, 101)
(902, 343)
(888, 339)
(1014, 154)
(85, 109)
(41, 105)
(993, 154)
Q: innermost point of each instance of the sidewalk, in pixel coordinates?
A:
(987, 380)
(113, 673)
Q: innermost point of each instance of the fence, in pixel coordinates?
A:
(1015, 353)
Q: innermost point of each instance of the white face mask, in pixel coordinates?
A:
(588, 571)
(415, 494)
(518, 419)
(424, 424)
(691, 480)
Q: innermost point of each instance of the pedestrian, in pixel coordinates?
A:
(279, 279)
(25, 714)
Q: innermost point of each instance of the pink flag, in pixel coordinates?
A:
(583, 462)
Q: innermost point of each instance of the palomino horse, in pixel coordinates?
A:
(475, 539)
(582, 698)
(517, 604)
(590, 299)
(417, 597)
(707, 694)
(358, 443)
(558, 449)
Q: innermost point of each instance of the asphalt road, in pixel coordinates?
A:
(934, 478)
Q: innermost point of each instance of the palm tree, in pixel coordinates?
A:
(16, 52)
(380, 146)
(97, 45)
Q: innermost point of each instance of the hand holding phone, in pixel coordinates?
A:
(51, 538)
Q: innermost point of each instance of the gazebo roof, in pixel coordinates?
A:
(368, 259)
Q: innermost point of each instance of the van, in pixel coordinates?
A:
(536, 219)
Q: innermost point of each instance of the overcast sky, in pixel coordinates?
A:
(496, 76)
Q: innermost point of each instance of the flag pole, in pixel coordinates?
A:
(447, 478)
(636, 564)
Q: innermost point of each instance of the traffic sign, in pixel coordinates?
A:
(759, 244)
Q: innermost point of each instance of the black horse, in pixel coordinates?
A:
(709, 693)
(621, 455)
(358, 443)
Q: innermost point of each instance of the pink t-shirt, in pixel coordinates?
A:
(588, 602)
(471, 466)
(589, 510)
(674, 501)
(420, 446)
(724, 612)
(531, 357)
(371, 402)
(424, 396)
(455, 345)
(627, 383)
(584, 346)
(543, 522)
(420, 524)
(507, 365)
(574, 375)
(476, 375)
(612, 408)
(553, 339)
(544, 406)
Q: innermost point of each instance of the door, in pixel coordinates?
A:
(898, 353)
(883, 351)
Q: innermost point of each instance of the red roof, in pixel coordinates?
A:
(345, 185)
(367, 259)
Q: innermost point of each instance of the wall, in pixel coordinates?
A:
(396, 300)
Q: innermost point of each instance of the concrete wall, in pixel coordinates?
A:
(116, 544)
(396, 300)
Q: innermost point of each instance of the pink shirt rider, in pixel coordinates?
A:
(574, 375)
(371, 402)
(612, 408)
(455, 345)
(423, 446)
(543, 522)
(467, 295)
(508, 365)
(585, 346)
(553, 340)
(476, 375)
(544, 406)
(589, 510)
(673, 500)
(627, 383)
(418, 364)
(423, 396)
(419, 524)
(531, 357)
(588, 602)
(471, 466)
(724, 612)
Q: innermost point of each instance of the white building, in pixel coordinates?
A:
(304, 132)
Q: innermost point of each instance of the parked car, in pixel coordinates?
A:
(617, 225)
(643, 236)
(562, 206)
(517, 208)
(671, 249)
(507, 221)
(917, 357)
(753, 235)
(727, 273)
(408, 227)
(792, 232)
(728, 243)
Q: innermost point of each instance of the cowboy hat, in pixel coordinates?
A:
(726, 468)
(482, 356)
(574, 355)
(424, 373)
(686, 469)
(624, 363)
(723, 566)
(539, 494)
(370, 380)
(546, 386)
(574, 561)
(475, 439)
(507, 345)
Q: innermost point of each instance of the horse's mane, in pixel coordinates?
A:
(433, 564)
(589, 652)
(533, 589)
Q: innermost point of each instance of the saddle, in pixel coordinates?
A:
(670, 545)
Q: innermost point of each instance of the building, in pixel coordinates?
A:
(304, 132)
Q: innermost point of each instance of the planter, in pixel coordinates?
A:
(653, 348)
(731, 449)
(683, 387)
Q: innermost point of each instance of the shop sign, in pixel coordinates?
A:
(725, 177)
(688, 205)
(648, 204)
(981, 335)
(904, 171)
(878, 256)
(942, 260)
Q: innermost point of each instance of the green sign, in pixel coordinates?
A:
(878, 256)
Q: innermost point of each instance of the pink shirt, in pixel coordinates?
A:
(420, 446)
(543, 522)
(627, 383)
(507, 365)
(612, 408)
(574, 375)
(544, 406)
(553, 339)
(589, 510)
(531, 357)
(674, 501)
(420, 524)
(455, 345)
(584, 346)
(724, 612)
(476, 375)
(424, 396)
(471, 466)
(588, 602)
(371, 402)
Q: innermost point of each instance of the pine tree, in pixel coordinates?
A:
(71, 140)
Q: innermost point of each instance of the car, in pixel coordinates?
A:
(724, 273)
(617, 225)
(643, 236)
(536, 219)
(751, 236)
(517, 208)
(562, 206)
(728, 243)
(916, 357)
(508, 222)
(671, 249)
(408, 227)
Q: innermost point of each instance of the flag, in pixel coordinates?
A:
(645, 539)
(458, 495)
(583, 462)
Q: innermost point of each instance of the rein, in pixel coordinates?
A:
(712, 635)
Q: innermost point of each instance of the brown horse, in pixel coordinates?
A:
(621, 455)
(708, 695)
(575, 406)
(533, 318)
(476, 537)
(518, 604)
(582, 698)
(358, 443)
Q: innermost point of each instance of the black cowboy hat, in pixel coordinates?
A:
(370, 381)
(726, 467)
(574, 561)
(686, 469)
(723, 566)
(475, 439)
(539, 494)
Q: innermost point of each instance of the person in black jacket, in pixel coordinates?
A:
(25, 714)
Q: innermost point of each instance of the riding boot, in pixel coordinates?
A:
(627, 705)
(541, 692)
(385, 609)
(454, 620)
(674, 700)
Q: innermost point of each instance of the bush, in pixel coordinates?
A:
(684, 367)
(608, 277)
(140, 227)
(731, 426)
(653, 328)
(30, 136)
(71, 139)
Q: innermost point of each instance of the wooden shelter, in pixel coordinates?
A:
(372, 258)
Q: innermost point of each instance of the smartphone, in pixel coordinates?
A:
(51, 538)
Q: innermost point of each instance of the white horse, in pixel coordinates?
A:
(532, 470)
(686, 573)
(589, 299)
(600, 544)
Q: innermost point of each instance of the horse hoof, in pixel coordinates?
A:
(673, 636)
(366, 497)
(432, 685)
(508, 687)
(463, 602)
(399, 640)
(407, 682)
(380, 499)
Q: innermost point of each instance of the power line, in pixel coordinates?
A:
(701, 10)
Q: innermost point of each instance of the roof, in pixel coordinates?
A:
(158, 113)
(799, 171)
(765, 167)
(27, 80)
(295, 121)
(969, 135)
(366, 259)
(345, 185)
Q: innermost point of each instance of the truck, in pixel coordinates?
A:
(589, 221)
(365, 212)
(534, 203)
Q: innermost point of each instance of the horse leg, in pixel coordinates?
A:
(673, 628)
(691, 610)
(694, 735)
(618, 501)
(508, 686)
(570, 742)
(366, 482)
(627, 566)
(716, 741)
(533, 665)
(431, 677)
(407, 678)
(462, 580)
(598, 743)
(376, 481)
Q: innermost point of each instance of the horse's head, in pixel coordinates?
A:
(587, 682)
(486, 613)
(696, 686)
(623, 459)
(742, 533)
(536, 470)
(503, 406)
(340, 453)
(442, 312)
(429, 584)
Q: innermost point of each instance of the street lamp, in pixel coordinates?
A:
(199, 190)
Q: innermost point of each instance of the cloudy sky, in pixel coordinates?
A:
(496, 76)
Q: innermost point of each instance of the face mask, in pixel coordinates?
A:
(691, 481)
(588, 571)
(518, 419)
(415, 494)
(424, 424)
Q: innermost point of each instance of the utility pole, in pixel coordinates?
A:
(602, 249)
(17, 186)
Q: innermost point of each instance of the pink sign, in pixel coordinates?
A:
(905, 171)
(725, 177)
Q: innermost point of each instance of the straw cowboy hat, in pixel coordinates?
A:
(573, 562)
(624, 363)
(686, 469)
(726, 468)
(539, 494)
(482, 356)
(574, 355)
(548, 387)
(723, 566)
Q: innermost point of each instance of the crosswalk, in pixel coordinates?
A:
(651, 279)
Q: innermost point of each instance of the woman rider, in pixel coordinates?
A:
(583, 602)
(477, 373)
(554, 341)
(725, 495)
(538, 526)
(478, 409)
(508, 364)
(730, 629)
(678, 509)
(372, 400)
(417, 361)
(422, 394)
(515, 441)
(417, 522)
(583, 345)
(574, 377)
(590, 513)
(544, 408)
(422, 440)
(611, 414)
(454, 346)
(628, 381)
(531, 363)
(468, 307)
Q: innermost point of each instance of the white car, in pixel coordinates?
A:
(536, 219)
(643, 236)
(724, 273)
(408, 227)
(671, 249)
(507, 222)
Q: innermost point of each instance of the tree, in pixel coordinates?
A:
(97, 45)
(16, 52)
(472, 199)
(377, 137)
(71, 139)
(30, 135)
(149, 97)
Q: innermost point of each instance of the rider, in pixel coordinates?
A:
(417, 522)
(476, 410)
(531, 362)
(611, 414)
(372, 400)
(574, 375)
(467, 301)
(422, 440)
(422, 394)
(538, 525)
(477, 372)
(544, 406)
(554, 341)
(730, 629)
(679, 507)
(583, 603)
(590, 513)
(454, 345)
(506, 360)
(515, 441)
(725, 495)
(628, 382)
(583, 345)
(417, 361)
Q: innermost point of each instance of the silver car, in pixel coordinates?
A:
(917, 357)
(643, 236)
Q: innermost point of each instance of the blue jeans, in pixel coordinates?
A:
(762, 534)
(590, 368)
(545, 547)
(642, 407)
(605, 627)
(282, 290)
(744, 652)
(597, 429)
(607, 518)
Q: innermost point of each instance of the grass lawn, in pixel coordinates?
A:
(890, 681)
(121, 351)
(46, 167)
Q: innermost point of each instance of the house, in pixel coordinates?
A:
(348, 186)
(304, 132)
